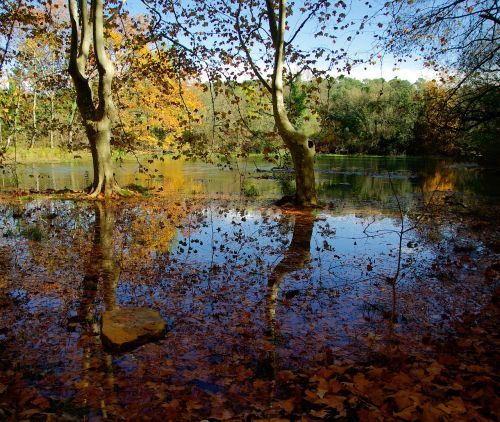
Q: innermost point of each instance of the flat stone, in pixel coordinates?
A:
(127, 328)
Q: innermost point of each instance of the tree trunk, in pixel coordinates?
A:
(51, 131)
(71, 120)
(302, 149)
(33, 135)
(103, 168)
(303, 157)
(16, 118)
(97, 118)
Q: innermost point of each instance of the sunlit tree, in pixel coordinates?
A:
(264, 40)
(87, 29)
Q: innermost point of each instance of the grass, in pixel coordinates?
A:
(46, 155)
(133, 187)
(32, 232)
(249, 189)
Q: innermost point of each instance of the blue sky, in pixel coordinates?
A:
(359, 46)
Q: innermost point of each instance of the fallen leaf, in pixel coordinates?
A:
(431, 413)
(405, 399)
(361, 383)
(287, 405)
(334, 386)
(319, 413)
(408, 414)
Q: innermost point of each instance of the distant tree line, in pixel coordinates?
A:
(343, 115)
(348, 116)
(397, 117)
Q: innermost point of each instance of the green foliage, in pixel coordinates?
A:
(133, 187)
(297, 103)
(287, 183)
(372, 117)
(249, 188)
(397, 117)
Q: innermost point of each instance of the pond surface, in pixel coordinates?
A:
(372, 180)
(253, 295)
(255, 298)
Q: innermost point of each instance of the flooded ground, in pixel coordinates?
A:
(370, 308)
(347, 178)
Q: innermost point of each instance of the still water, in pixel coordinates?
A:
(250, 292)
(338, 177)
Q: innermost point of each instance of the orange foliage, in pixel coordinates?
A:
(155, 107)
(438, 125)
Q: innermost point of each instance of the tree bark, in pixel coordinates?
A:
(51, 131)
(33, 135)
(71, 120)
(98, 119)
(302, 149)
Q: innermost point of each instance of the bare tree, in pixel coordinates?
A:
(459, 36)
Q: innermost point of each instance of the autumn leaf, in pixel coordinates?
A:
(334, 386)
(408, 414)
(319, 413)
(287, 405)
(405, 399)
(361, 383)
(454, 406)
(335, 402)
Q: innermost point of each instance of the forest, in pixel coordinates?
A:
(240, 210)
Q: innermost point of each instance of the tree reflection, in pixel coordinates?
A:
(101, 265)
(4, 272)
(103, 270)
(295, 258)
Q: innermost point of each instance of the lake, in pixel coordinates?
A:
(349, 178)
(257, 300)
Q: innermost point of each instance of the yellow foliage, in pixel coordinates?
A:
(439, 120)
(443, 180)
(154, 107)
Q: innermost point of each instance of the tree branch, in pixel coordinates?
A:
(313, 12)
(243, 45)
(273, 25)
(490, 17)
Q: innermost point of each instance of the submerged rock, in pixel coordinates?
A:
(127, 328)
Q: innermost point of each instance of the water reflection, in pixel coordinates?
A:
(296, 256)
(4, 271)
(356, 179)
(249, 292)
(101, 267)
(101, 271)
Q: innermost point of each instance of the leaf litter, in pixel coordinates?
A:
(272, 314)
